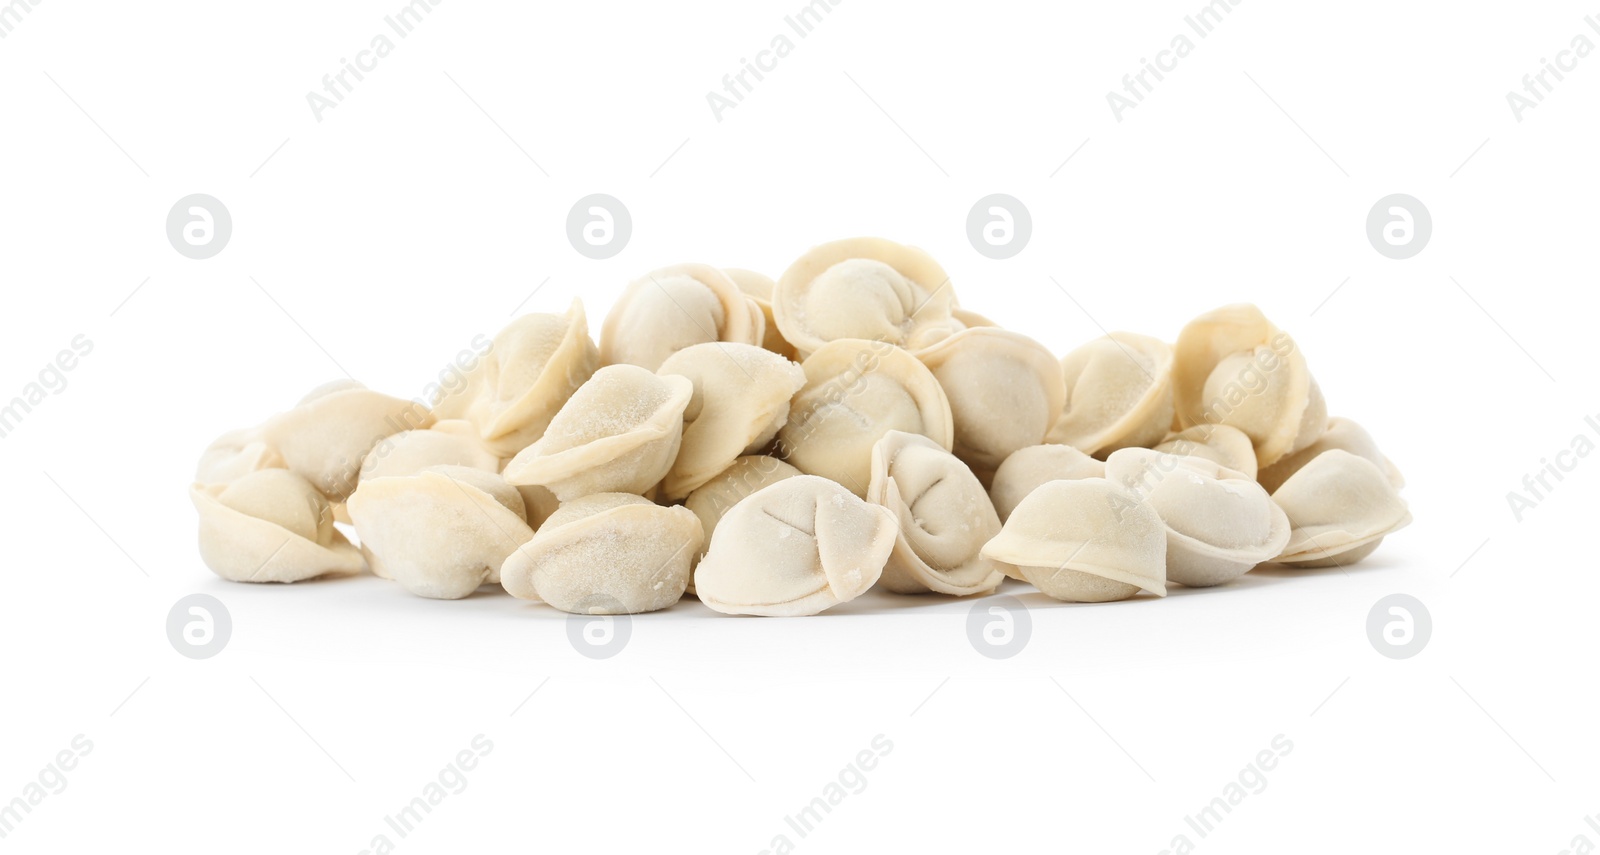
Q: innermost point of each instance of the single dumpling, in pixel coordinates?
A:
(1027, 468)
(667, 310)
(607, 553)
(867, 288)
(741, 398)
(440, 533)
(1218, 443)
(454, 442)
(1340, 506)
(1343, 434)
(270, 525)
(1085, 541)
(1233, 367)
(1219, 522)
(234, 455)
(945, 518)
(531, 369)
(797, 547)
(760, 288)
(1005, 392)
(325, 438)
(856, 391)
(1119, 394)
(619, 433)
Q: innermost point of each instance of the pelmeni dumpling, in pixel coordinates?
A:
(1085, 541)
(1342, 434)
(440, 533)
(945, 518)
(453, 442)
(748, 474)
(741, 398)
(270, 525)
(1340, 506)
(1027, 468)
(325, 438)
(856, 391)
(607, 553)
(1219, 522)
(619, 433)
(797, 547)
(1233, 367)
(532, 368)
(759, 288)
(234, 455)
(1005, 392)
(1219, 443)
(667, 310)
(866, 288)
(1119, 394)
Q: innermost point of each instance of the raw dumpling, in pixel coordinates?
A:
(454, 442)
(619, 433)
(1027, 468)
(945, 518)
(1220, 443)
(1219, 522)
(1119, 394)
(669, 309)
(1341, 433)
(759, 288)
(747, 474)
(1005, 392)
(607, 553)
(270, 525)
(1084, 541)
(856, 391)
(1233, 367)
(325, 438)
(1341, 506)
(440, 533)
(234, 455)
(867, 288)
(797, 547)
(533, 367)
(741, 398)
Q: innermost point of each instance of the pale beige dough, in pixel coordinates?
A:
(326, 436)
(234, 455)
(531, 369)
(1341, 433)
(864, 288)
(454, 442)
(760, 288)
(270, 525)
(748, 474)
(797, 547)
(1233, 367)
(667, 310)
(1005, 390)
(741, 397)
(440, 533)
(607, 553)
(1027, 468)
(619, 433)
(1084, 541)
(1218, 443)
(945, 518)
(1341, 506)
(1119, 394)
(856, 391)
(1219, 522)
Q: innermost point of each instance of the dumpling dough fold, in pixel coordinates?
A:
(270, 525)
(945, 518)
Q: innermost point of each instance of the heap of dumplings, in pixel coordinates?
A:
(779, 448)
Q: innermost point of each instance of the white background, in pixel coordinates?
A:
(410, 219)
